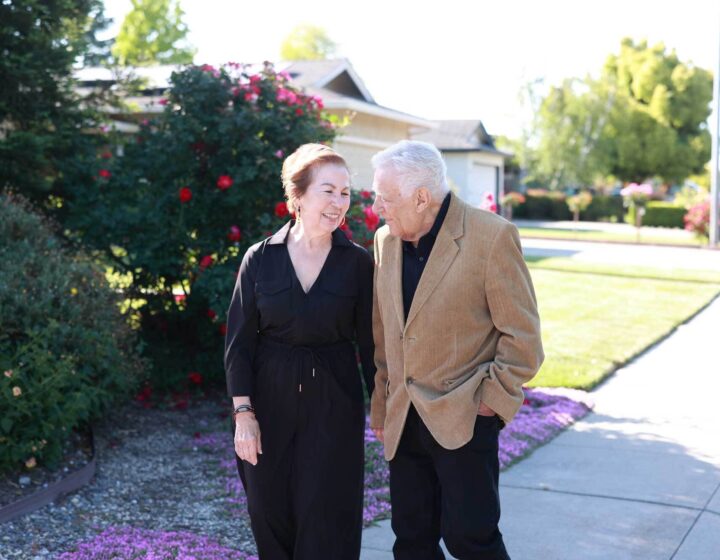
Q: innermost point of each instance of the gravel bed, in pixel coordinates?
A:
(150, 475)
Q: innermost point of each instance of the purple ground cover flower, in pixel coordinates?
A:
(544, 414)
(128, 543)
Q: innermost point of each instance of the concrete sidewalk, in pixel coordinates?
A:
(678, 258)
(637, 479)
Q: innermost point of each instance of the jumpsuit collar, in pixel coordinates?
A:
(280, 237)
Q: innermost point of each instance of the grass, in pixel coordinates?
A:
(563, 264)
(647, 236)
(596, 318)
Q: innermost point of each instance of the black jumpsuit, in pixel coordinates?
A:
(292, 352)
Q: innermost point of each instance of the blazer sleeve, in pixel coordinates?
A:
(513, 308)
(242, 328)
(363, 320)
(379, 395)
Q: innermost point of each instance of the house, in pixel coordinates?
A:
(475, 166)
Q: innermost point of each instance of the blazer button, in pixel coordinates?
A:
(401, 336)
(410, 381)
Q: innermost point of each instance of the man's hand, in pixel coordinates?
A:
(485, 410)
(247, 437)
(379, 434)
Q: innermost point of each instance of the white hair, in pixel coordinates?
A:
(418, 164)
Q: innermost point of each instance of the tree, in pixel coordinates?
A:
(657, 127)
(307, 42)
(643, 117)
(41, 118)
(153, 33)
(571, 121)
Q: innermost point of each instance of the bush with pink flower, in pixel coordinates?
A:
(697, 219)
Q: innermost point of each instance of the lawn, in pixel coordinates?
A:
(596, 317)
(659, 236)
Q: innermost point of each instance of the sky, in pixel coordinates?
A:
(454, 59)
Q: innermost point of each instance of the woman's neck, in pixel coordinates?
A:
(308, 239)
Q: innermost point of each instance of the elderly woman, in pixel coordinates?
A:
(302, 297)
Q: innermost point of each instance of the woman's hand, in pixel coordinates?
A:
(247, 437)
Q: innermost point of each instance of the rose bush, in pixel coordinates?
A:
(190, 193)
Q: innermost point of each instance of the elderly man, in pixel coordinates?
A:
(456, 333)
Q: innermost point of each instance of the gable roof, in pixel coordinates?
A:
(459, 135)
(335, 75)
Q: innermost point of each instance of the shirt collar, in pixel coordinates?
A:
(280, 237)
(437, 224)
(440, 218)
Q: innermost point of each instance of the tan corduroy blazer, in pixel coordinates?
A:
(472, 333)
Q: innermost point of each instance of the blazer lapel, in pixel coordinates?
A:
(441, 257)
(395, 277)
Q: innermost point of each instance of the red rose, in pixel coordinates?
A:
(234, 234)
(206, 261)
(106, 155)
(371, 218)
(179, 298)
(299, 112)
(163, 101)
(145, 394)
(211, 314)
(185, 194)
(104, 173)
(365, 194)
(195, 377)
(281, 209)
(222, 329)
(224, 182)
(346, 228)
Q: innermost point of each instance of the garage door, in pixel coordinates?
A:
(483, 179)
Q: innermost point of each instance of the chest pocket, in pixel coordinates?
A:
(274, 301)
(337, 298)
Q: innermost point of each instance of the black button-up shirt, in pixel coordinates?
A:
(269, 303)
(415, 258)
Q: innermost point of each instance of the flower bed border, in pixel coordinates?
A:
(50, 493)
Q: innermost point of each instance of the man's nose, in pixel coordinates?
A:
(377, 206)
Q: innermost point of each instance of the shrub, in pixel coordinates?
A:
(604, 208)
(195, 187)
(66, 352)
(664, 214)
(697, 219)
(543, 205)
(660, 214)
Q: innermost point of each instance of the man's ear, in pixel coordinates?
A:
(423, 199)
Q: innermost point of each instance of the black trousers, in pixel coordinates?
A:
(305, 495)
(452, 494)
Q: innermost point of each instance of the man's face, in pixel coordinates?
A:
(400, 213)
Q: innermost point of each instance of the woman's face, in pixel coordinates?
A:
(327, 198)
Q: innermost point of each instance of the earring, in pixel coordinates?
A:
(297, 213)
